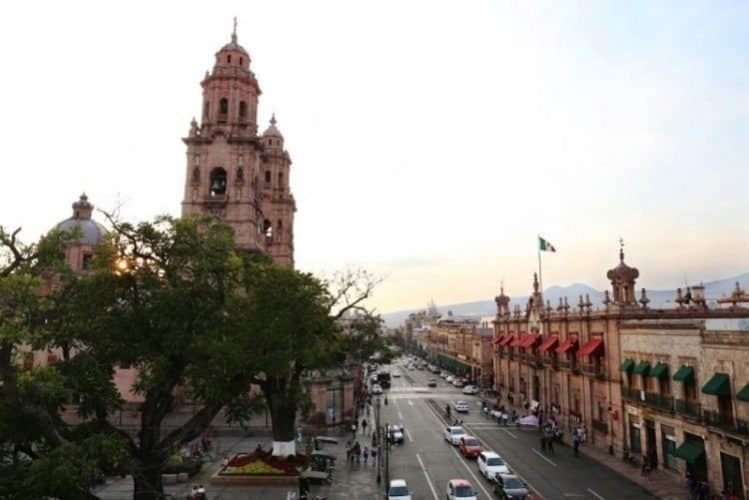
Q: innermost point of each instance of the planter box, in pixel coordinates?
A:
(263, 480)
(169, 478)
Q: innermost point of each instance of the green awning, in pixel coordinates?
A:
(719, 385)
(684, 374)
(690, 451)
(642, 368)
(743, 394)
(660, 371)
(627, 365)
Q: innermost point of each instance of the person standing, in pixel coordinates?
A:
(357, 452)
(365, 453)
(576, 441)
(364, 426)
(374, 456)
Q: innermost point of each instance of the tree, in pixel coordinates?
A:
(42, 456)
(163, 298)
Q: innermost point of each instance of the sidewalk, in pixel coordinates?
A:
(660, 483)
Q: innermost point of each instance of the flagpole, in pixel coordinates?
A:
(540, 278)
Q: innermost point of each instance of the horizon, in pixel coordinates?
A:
(431, 141)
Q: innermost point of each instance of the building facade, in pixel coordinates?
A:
(232, 172)
(663, 385)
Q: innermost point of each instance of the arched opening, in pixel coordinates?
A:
(241, 61)
(242, 110)
(196, 174)
(268, 230)
(240, 174)
(267, 176)
(280, 179)
(228, 58)
(218, 181)
(223, 109)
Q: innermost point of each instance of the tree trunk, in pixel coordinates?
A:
(282, 406)
(147, 481)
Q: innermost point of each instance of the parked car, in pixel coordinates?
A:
(449, 379)
(460, 489)
(396, 374)
(491, 464)
(453, 433)
(461, 407)
(458, 382)
(470, 447)
(376, 389)
(432, 382)
(399, 490)
(510, 487)
(395, 433)
(470, 389)
(444, 374)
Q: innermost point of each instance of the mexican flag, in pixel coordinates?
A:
(545, 246)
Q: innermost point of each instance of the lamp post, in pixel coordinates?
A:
(379, 441)
(387, 458)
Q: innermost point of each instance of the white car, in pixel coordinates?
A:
(376, 389)
(396, 374)
(453, 433)
(458, 382)
(395, 433)
(470, 389)
(449, 379)
(399, 490)
(460, 489)
(461, 407)
(491, 464)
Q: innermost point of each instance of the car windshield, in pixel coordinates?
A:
(513, 483)
(398, 491)
(457, 430)
(464, 491)
(495, 461)
(472, 442)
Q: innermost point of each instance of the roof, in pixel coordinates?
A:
(91, 232)
(460, 482)
(398, 482)
(272, 130)
(491, 454)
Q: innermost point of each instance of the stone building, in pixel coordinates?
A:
(234, 173)
(667, 384)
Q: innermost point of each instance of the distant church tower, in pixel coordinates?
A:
(232, 172)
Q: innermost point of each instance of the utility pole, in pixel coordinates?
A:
(387, 458)
(379, 440)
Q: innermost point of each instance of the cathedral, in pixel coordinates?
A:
(234, 173)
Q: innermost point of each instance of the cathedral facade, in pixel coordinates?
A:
(234, 173)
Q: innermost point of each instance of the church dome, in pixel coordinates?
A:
(90, 232)
(272, 130)
(623, 273)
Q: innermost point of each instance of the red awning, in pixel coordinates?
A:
(517, 341)
(567, 345)
(498, 339)
(507, 339)
(528, 340)
(550, 342)
(594, 346)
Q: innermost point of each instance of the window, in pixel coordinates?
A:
(196, 160)
(206, 108)
(196, 174)
(267, 176)
(228, 58)
(280, 179)
(242, 109)
(267, 229)
(218, 181)
(280, 224)
(224, 106)
(241, 61)
(240, 174)
(86, 264)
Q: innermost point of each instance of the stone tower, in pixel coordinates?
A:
(232, 172)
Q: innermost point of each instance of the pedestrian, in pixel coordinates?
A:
(645, 470)
(374, 440)
(704, 490)
(357, 452)
(550, 444)
(374, 456)
(365, 453)
(689, 484)
(348, 451)
(364, 426)
(353, 429)
(543, 443)
(576, 441)
(194, 492)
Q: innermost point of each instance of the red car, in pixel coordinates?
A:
(470, 447)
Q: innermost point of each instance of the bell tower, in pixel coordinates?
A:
(227, 160)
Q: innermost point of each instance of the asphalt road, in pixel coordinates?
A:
(427, 462)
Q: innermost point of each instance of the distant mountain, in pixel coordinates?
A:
(658, 299)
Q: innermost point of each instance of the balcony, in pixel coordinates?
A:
(718, 419)
(534, 361)
(600, 426)
(631, 394)
(551, 362)
(660, 402)
(594, 370)
(565, 364)
(689, 409)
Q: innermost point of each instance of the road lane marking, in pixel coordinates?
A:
(411, 403)
(510, 433)
(408, 433)
(400, 415)
(481, 485)
(599, 497)
(429, 481)
(540, 455)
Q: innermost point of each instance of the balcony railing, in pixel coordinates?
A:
(718, 419)
(631, 394)
(565, 364)
(660, 402)
(551, 362)
(595, 370)
(688, 409)
(600, 426)
(534, 361)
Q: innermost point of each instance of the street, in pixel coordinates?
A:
(426, 461)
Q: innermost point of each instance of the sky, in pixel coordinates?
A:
(432, 141)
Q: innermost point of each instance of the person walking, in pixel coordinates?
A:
(353, 430)
(543, 442)
(576, 441)
(365, 454)
(550, 442)
(348, 452)
(374, 456)
(645, 470)
(357, 452)
(364, 426)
